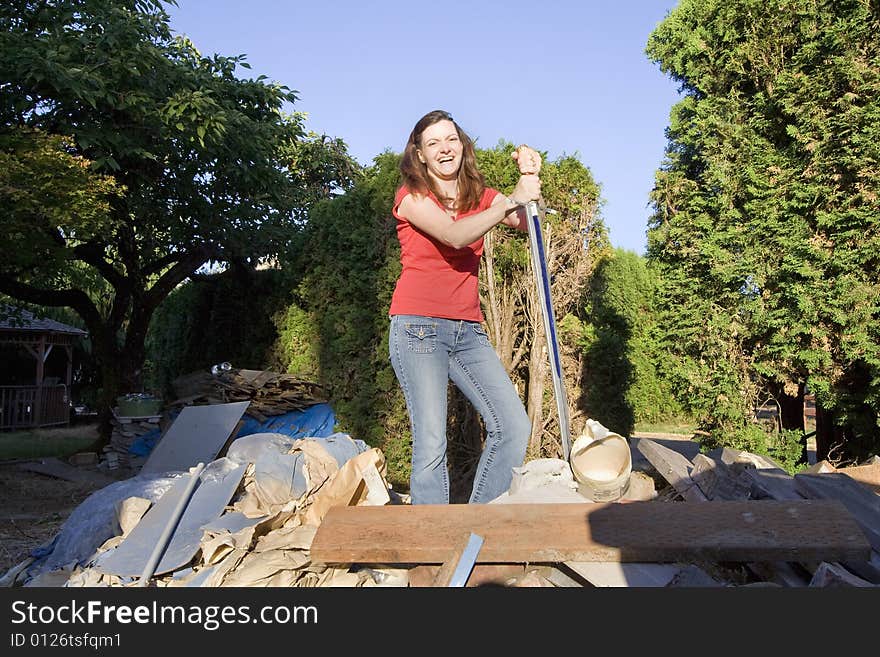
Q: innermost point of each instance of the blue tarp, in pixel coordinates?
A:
(313, 422)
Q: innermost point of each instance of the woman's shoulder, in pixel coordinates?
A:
(402, 192)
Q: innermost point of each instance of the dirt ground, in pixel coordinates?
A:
(33, 506)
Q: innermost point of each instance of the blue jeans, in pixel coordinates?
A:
(426, 352)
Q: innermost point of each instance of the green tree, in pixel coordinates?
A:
(623, 385)
(766, 218)
(212, 318)
(205, 166)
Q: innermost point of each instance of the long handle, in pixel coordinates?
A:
(542, 282)
(170, 526)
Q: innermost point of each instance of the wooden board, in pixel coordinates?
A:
(868, 475)
(673, 467)
(757, 530)
(719, 481)
(859, 500)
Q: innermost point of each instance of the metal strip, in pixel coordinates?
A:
(542, 282)
(466, 563)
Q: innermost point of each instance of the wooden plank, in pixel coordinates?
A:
(684, 446)
(858, 500)
(731, 479)
(719, 481)
(774, 483)
(831, 486)
(673, 467)
(757, 530)
(867, 475)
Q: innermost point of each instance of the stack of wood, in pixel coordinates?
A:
(726, 474)
(270, 393)
(729, 518)
(126, 430)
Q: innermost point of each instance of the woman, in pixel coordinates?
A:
(443, 209)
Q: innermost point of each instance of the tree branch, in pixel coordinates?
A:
(75, 299)
(92, 253)
(158, 265)
(186, 264)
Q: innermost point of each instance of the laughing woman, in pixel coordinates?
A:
(443, 209)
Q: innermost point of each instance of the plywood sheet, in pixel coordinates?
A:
(207, 503)
(195, 436)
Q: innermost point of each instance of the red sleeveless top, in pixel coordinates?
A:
(437, 280)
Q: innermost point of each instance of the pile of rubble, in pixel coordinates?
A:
(249, 522)
(126, 431)
(315, 512)
(269, 393)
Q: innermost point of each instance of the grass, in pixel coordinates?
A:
(680, 426)
(58, 441)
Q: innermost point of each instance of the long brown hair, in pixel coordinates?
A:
(415, 174)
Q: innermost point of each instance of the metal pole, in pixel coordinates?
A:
(170, 526)
(542, 282)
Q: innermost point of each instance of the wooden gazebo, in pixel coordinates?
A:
(34, 395)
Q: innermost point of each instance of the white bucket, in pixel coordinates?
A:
(602, 462)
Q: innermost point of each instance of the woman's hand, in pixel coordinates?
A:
(528, 160)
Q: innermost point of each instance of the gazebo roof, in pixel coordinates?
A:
(24, 320)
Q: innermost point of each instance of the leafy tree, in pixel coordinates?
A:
(623, 385)
(204, 166)
(766, 219)
(212, 318)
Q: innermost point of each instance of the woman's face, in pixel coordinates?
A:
(441, 150)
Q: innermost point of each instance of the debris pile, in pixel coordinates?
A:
(249, 522)
(126, 431)
(281, 511)
(269, 393)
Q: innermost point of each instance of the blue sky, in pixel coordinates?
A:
(566, 77)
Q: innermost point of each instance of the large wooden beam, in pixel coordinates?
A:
(756, 530)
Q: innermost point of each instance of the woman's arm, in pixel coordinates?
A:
(427, 216)
(516, 217)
